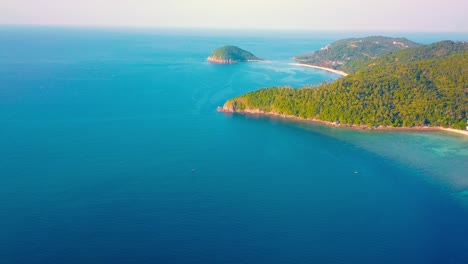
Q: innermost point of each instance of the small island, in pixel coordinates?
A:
(231, 54)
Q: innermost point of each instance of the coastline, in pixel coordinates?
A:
(458, 131)
(342, 73)
(257, 112)
(221, 61)
(215, 60)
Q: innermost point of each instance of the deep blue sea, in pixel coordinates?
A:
(111, 151)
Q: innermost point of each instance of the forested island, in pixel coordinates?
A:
(347, 55)
(231, 54)
(423, 86)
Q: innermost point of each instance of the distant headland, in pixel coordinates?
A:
(231, 54)
(348, 55)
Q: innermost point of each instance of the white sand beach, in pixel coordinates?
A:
(342, 73)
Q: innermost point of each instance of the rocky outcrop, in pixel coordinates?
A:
(216, 60)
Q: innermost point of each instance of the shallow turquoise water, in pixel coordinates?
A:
(100, 132)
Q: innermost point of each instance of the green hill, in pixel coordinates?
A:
(400, 91)
(426, 52)
(231, 54)
(349, 54)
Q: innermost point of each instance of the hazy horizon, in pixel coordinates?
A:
(297, 15)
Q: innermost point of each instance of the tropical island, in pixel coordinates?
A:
(231, 54)
(424, 87)
(348, 55)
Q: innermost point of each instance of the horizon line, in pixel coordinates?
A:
(152, 27)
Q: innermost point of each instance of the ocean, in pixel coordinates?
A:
(111, 151)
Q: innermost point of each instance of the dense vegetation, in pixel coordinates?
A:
(232, 53)
(436, 50)
(349, 54)
(409, 93)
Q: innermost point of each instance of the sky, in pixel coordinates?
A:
(338, 15)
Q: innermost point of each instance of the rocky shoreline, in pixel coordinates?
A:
(257, 112)
(216, 60)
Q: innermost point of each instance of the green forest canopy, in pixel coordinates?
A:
(348, 54)
(412, 92)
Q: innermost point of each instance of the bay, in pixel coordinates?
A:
(111, 150)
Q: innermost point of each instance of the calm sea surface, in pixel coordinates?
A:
(111, 151)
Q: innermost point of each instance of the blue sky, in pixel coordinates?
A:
(340, 15)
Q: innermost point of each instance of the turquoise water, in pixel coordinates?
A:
(100, 132)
